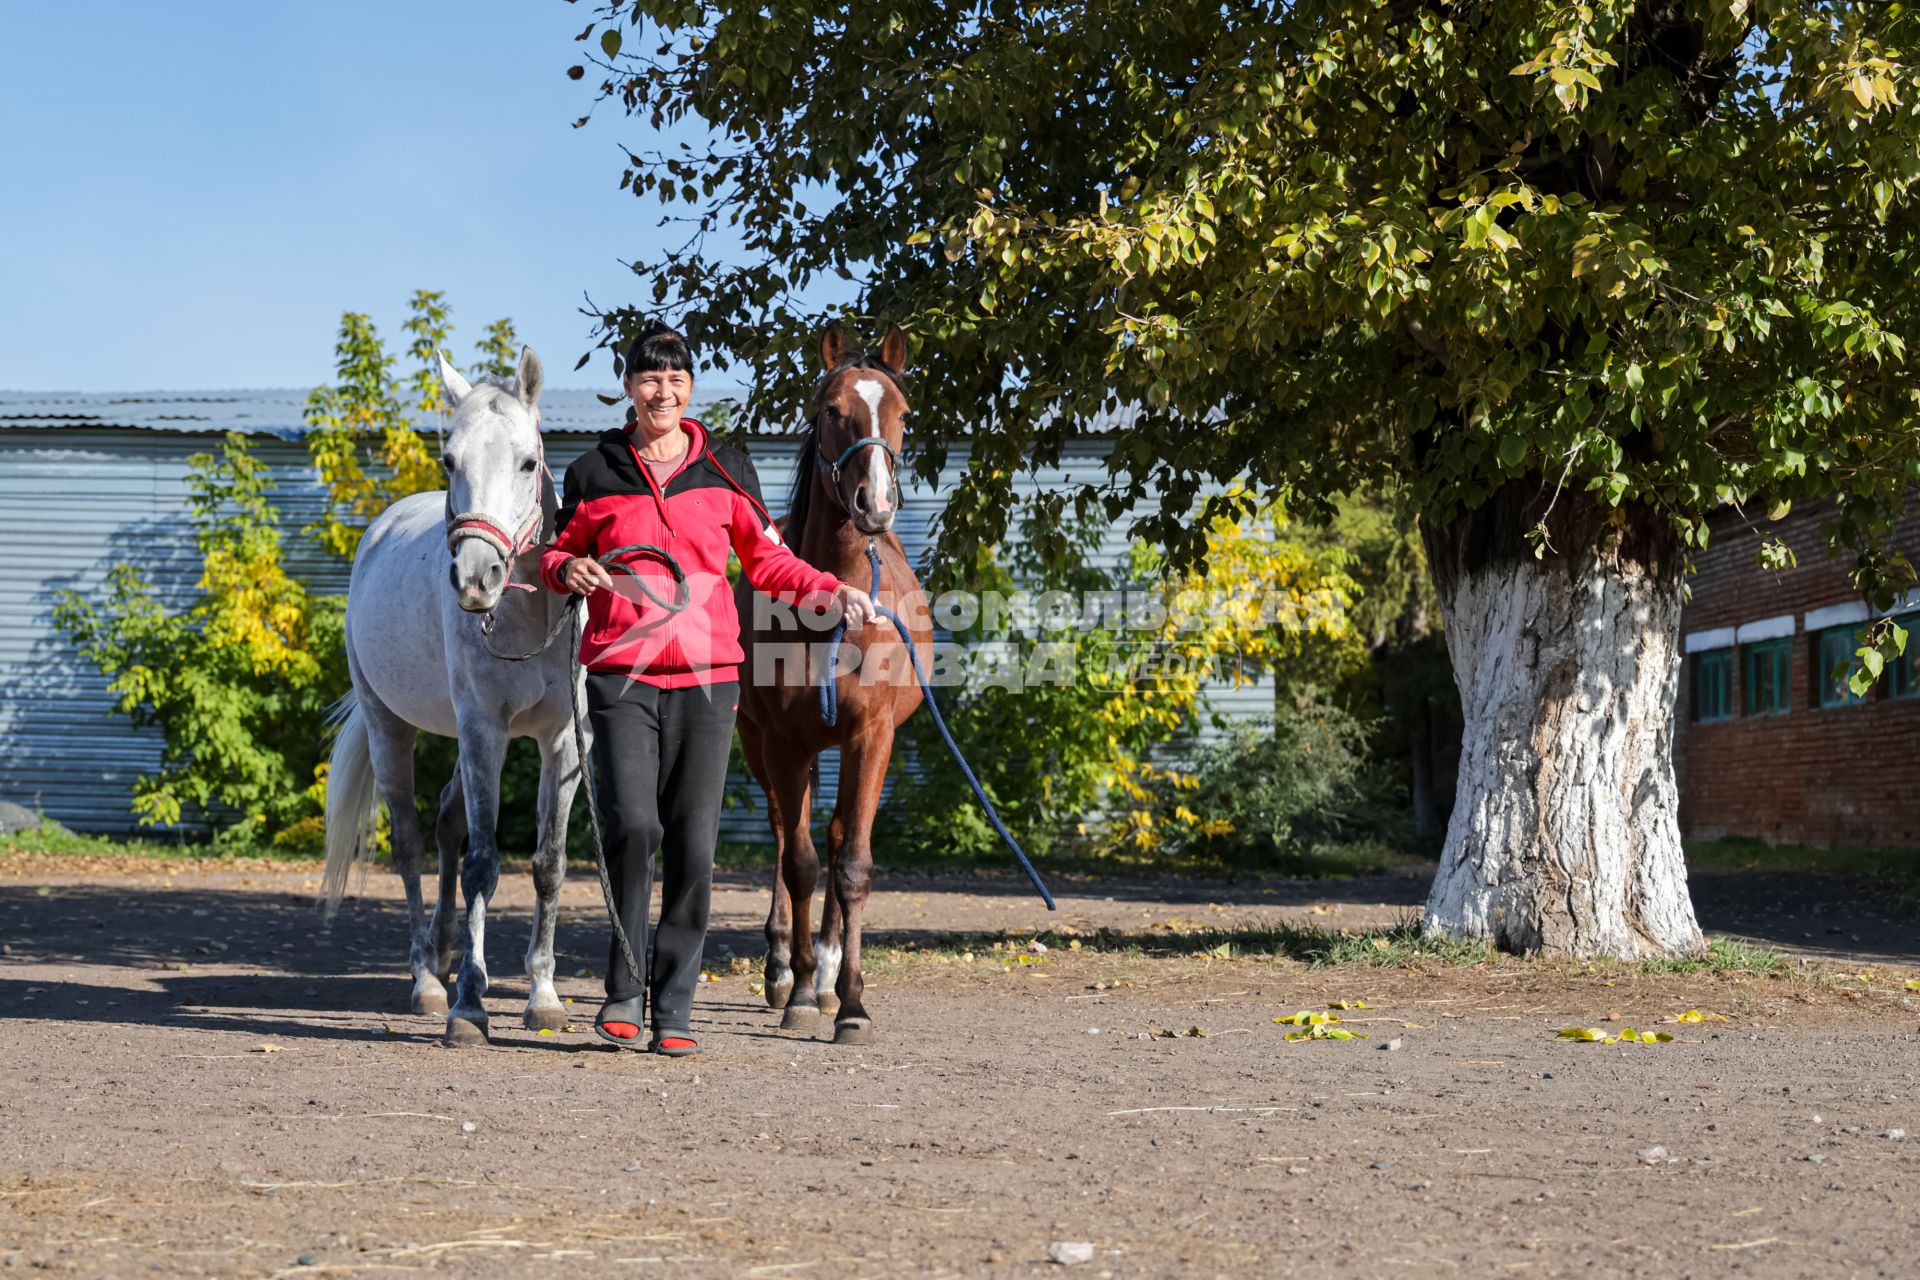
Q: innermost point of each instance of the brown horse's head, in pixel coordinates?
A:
(855, 431)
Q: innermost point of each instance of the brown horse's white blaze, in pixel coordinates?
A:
(835, 513)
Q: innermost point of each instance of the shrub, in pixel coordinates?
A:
(1302, 792)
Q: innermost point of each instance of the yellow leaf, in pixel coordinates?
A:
(268, 1048)
(1656, 1037)
(546, 1031)
(1349, 1004)
(1913, 984)
(1585, 1035)
(1698, 1016)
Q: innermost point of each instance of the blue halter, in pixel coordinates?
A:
(832, 469)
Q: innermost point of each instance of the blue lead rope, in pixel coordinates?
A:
(830, 713)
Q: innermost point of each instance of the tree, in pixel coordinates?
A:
(1574, 275)
(363, 438)
(237, 681)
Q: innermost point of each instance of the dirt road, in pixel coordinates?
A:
(196, 1081)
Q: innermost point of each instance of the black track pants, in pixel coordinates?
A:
(660, 770)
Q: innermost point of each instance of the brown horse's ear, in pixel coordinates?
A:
(893, 348)
(833, 345)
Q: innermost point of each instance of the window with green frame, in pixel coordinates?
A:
(1833, 662)
(1713, 685)
(1905, 681)
(1769, 664)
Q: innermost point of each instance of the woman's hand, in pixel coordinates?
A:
(856, 606)
(584, 575)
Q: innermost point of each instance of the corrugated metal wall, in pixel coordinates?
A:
(76, 500)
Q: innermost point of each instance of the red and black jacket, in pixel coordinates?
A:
(712, 503)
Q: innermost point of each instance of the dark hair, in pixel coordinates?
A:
(657, 349)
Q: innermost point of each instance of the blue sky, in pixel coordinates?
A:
(196, 191)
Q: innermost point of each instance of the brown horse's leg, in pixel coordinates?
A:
(786, 778)
(863, 771)
(826, 978)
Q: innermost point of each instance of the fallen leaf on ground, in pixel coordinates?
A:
(1697, 1015)
(1321, 1031)
(1348, 1004)
(1307, 1018)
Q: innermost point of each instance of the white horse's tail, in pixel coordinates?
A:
(350, 800)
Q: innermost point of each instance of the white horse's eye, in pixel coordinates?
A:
(527, 465)
(446, 462)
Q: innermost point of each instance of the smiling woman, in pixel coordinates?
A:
(662, 679)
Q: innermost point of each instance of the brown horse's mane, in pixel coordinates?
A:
(800, 500)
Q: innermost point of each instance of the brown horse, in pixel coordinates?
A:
(845, 496)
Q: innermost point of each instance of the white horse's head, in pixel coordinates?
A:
(494, 479)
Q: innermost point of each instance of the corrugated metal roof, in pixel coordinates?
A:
(281, 411)
(77, 496)
(272, 412)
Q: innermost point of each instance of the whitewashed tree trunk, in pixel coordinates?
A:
(1565, 836)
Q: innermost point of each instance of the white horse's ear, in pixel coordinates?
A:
(456, 386)
(531, 377)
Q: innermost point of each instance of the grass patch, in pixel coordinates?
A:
(50, 839)
(1897, 869)
(1723, 956)
(1401, 946)
(1324, 863)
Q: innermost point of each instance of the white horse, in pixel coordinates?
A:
(420, 660)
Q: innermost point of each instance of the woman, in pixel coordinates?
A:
(663, 684)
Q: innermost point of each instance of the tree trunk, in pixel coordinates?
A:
(1565, 835)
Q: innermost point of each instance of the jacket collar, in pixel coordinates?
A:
(617, 445)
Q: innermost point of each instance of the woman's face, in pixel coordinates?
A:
(660, 398)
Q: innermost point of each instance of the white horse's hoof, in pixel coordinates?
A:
(430, 1001)
(829, 1003)
(800, 1017)
(466, 1033)
(550, 1017)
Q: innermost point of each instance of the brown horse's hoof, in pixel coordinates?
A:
(779, 990)
(800, 1017)
(434, 1002)
(853, 1031)
(547, 1018)
(466, 1033)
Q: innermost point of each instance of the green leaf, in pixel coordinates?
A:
(610, 42)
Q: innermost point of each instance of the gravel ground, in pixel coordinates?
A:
(199, 1081)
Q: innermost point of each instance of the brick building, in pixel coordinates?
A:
(1769, 740)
